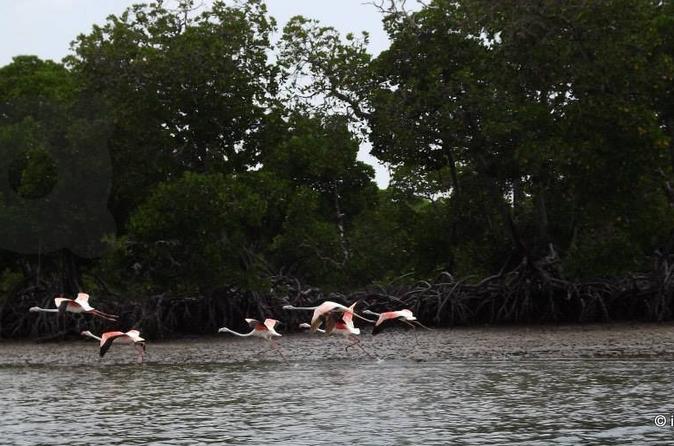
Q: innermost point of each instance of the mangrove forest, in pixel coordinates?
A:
(189, 165)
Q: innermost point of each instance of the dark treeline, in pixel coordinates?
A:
(530, 145)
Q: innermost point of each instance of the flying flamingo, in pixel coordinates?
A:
(384, 319)
(322, 313)
(130, 337)
(78, 305)
(265, 330)
(344, 326)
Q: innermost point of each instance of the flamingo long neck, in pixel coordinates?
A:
(44, 310)
(363, 318)
(91, 335)
(239, 334)
(371, 313)
(292, 307)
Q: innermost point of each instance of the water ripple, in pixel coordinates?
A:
(349, 402)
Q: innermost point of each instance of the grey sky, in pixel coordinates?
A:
(46, 27)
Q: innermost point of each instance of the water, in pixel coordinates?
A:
(340, 399)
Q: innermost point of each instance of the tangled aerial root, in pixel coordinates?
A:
(530, 293)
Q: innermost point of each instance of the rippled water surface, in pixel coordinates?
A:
(355, 400)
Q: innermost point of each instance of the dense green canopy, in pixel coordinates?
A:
(512, 129)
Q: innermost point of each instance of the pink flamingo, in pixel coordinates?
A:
(384, 319)
(78, 305)
(344, 326)
(265, 330)
(323, 312)
(130, 337)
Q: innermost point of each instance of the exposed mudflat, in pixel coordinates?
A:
(617, 341)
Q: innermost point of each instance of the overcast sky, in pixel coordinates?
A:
(46, 27)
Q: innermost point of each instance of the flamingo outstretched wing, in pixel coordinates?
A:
(82, 300)
(82, 297)
(270, 323)
(347, 317)
(252, 323)
(325, 308)
(330, 322)
(407, 314)
(62, 304)
(107, 339)
(271, 326)
(385, 319)
(135, 336)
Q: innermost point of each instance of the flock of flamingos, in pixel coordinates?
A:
(335, 318)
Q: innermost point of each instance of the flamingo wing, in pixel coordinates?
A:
(330, 322)
(407, 314)
(270, 324)
(135, 336)
(252, 323)
(82, 297)
(83, 300)
(347, 316)
(316, 323)
(325, 308)
(107, 339)
(384, 321)
(62, 304)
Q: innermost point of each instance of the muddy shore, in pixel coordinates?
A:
(617, 341)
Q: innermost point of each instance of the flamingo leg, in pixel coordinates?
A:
(114, 316)
(279, 349)
(422, 325)
(274, 346)
(100, 314)
(356, 342)
(264, 350)
(140, 350)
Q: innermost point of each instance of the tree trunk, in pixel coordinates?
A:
(451, 162)
(542, 214)
(669, 128)
(518, 195)
(340, 227)
(70, 273)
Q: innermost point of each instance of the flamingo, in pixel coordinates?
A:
(265, 330)
(344, 326)
(130, 337)
(404, 316)
(78, 305)
(322, 312)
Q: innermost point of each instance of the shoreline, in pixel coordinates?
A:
(623, 340)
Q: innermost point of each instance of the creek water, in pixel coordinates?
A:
(62, 394)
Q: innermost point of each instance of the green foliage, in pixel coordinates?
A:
(512, 129)
(542, 123)
(30, 77)
(327, 190)
(186, 91)
(33, 174)
(194, 232)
